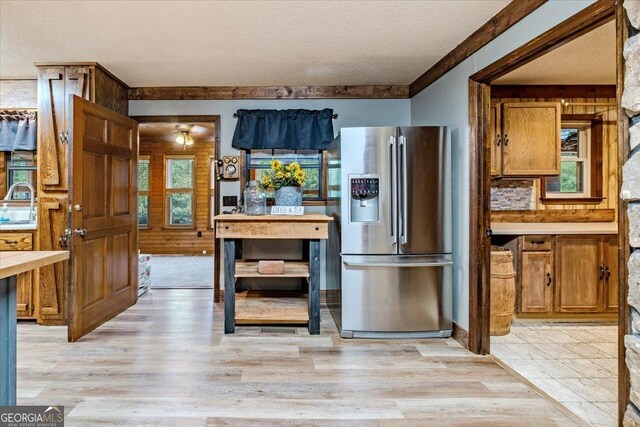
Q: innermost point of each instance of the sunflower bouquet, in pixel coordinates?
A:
(282, 175)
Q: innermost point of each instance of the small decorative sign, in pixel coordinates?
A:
(287, 210)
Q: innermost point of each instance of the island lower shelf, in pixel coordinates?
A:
(291, 269)
(271, 308)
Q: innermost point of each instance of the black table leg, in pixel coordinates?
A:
(314, 287)
(229, 286)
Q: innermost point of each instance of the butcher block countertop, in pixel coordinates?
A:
(522, 228)
(12, 263)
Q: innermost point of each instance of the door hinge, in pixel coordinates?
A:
(64, 239)
(489, 232)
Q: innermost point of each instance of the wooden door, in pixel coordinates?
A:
(536, 283)
(104, 266)
(531, 138)
(51, 123)
(611, 262)
(495, 139)
(579, 274)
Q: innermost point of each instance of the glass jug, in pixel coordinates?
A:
(255, 199)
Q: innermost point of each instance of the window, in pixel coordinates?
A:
(21, 167)
(179, 202)
(143, 191)
(574, 167)
(259, 162)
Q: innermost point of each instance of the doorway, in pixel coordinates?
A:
(553, 312)
(177, 200)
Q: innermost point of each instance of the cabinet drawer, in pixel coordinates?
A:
(536, 243)
(16, 242)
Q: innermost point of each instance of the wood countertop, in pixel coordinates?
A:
(308, 217)
(16, 262)
(523, 228)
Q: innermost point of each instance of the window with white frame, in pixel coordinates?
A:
(575, 168)
(179, 191)
(143, 191)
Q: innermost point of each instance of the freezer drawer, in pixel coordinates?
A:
(410, 300)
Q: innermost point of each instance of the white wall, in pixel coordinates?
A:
(351, 113)
(446, 102)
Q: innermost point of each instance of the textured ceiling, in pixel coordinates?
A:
(590, 59)
(243, 43)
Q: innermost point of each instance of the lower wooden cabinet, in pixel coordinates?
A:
(567, 274)
(26, 286)
(535, 294)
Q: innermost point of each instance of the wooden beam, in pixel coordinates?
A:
(501, 22)
(591, 17)
(553, 91)
(268, 92)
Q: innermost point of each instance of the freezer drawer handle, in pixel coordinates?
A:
(400, 265)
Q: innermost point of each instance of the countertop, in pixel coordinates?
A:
(307, 217)
(520, 228)
(18, 227)
(12, 263)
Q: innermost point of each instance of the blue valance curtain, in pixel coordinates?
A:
(283, 129)
(18, 131)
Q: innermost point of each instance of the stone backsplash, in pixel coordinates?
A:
(511, 194)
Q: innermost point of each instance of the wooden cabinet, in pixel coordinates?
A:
(56, 83)
(525, 139)
(611, 266)
(566, 275)
(579, 274)
(25, 292)
(536, 277)
(495, 139)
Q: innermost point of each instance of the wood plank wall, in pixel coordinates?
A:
(609, 152)
(159, 240)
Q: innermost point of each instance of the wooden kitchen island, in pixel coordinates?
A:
(12, 264)
(308, 227)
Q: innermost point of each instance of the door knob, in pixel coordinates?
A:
(80, 232)
(77, 208)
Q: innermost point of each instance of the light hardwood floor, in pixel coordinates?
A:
(166, 361)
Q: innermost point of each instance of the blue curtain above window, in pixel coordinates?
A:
(283, 129)
(18, 132)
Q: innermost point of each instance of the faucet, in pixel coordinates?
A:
(9, 195)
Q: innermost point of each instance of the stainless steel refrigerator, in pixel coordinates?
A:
(389, 261)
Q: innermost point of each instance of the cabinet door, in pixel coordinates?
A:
(531, 139)
(536, 281)
(578, 274)
(495, 140)
(24, 296)
(610, 248)
(51, 123)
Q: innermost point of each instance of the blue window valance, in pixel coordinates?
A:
(283, 129)
(18, 131)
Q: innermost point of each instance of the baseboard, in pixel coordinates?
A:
(461, 335)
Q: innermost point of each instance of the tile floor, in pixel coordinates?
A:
(574, 363)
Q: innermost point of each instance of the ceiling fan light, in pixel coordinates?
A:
(188, 139)
(180, 139)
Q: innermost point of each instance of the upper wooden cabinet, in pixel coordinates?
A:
(525, 139)
(56, 82)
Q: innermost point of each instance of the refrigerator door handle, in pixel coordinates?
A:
(393, 206)
(405, 201)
